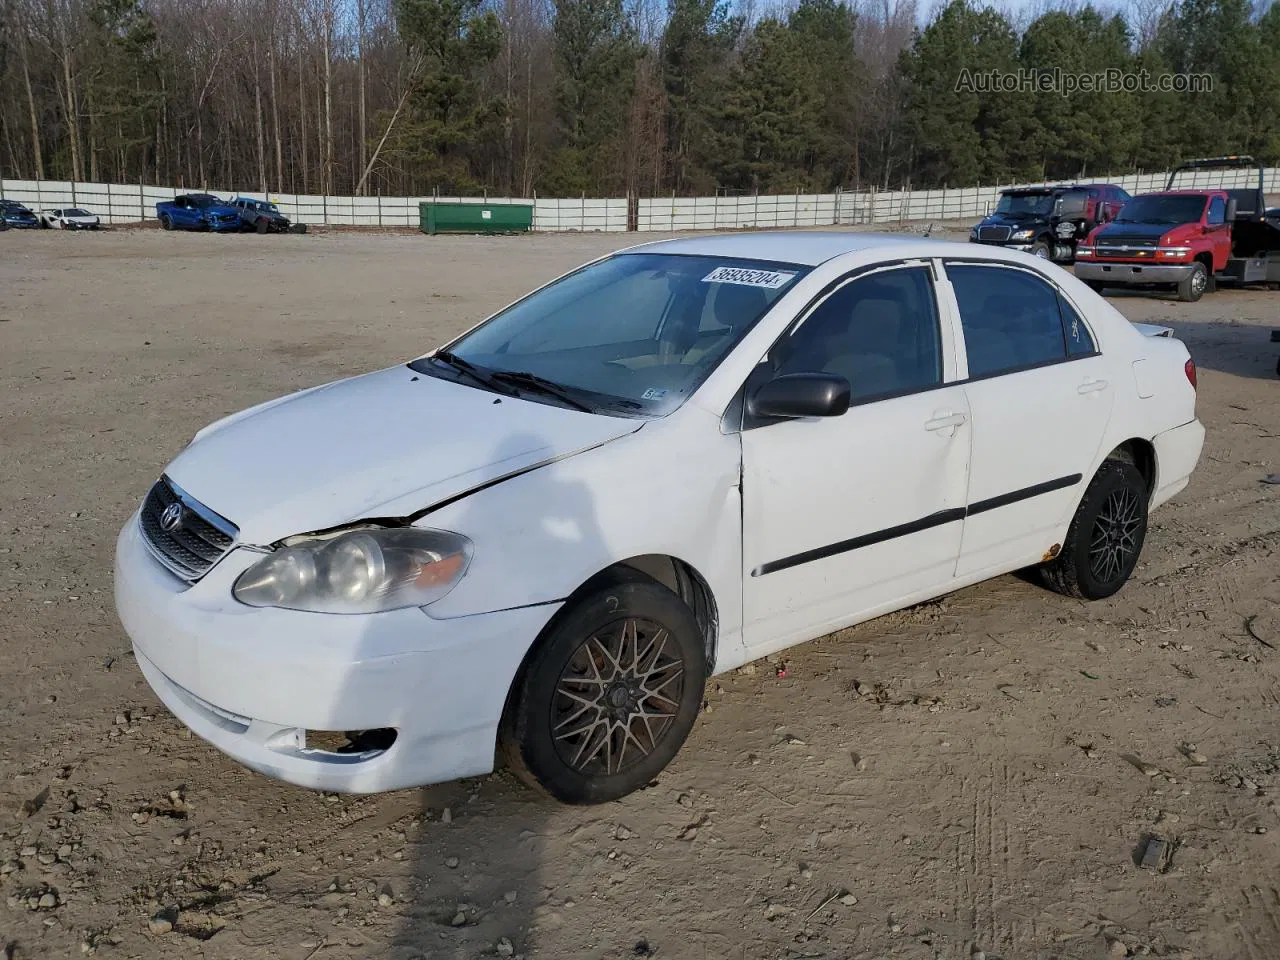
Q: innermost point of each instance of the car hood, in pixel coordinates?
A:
(1135, 230)
(385, 444)
(1016, 220)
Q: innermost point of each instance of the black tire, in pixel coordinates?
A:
(1097, 286)
(166, 222)
(1106, 535)
(1192, 287)
(1042, 248)
(261, 225)
(573, 680)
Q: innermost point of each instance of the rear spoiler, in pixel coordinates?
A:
(1153, 330)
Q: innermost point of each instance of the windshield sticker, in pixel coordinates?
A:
(768, 279)
(653, 393)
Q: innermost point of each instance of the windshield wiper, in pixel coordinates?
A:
(480, 376)
(531, 381)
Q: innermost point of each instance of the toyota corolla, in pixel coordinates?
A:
(540, 540)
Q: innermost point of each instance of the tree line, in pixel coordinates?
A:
(606, 97)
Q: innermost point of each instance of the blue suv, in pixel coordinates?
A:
(198, 211)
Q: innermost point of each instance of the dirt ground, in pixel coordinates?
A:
(990, 793)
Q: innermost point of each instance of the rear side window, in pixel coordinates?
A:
(1079, 340)
(1011, 319)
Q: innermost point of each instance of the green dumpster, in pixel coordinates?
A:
(436, 217)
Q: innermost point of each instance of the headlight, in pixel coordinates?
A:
(1174, 251)
(360, 571)
(1022, 235)
(973, 234)
(1084, 251)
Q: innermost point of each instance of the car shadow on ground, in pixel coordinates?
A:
(477, 876)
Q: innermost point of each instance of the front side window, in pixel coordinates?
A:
(1073, 203)
(635, 333)
(1217, 210)
(1011, 319)
(879, 332)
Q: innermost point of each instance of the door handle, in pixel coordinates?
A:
(1091, 386)
(945, 421)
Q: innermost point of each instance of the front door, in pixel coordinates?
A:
(845, 516)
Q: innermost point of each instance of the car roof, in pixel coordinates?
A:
(808, 248)
(1204, 192)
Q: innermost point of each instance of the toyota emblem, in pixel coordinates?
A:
(171, 518)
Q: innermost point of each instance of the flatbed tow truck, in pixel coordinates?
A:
(1192, 235)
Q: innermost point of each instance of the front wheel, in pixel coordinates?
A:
(609, 695)
(1042, 249)
(1105, 537)
(166, 222)
(1097, 286)
(261, 226)
(1193, 286)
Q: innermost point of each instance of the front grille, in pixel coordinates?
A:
(192, 545)
(1119, 240)
(994, 234)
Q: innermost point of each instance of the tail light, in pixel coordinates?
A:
(1190, 368)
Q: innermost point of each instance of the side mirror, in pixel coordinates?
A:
(801, 395)
(1231, 210)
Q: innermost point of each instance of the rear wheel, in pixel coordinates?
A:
(609, 695)
(1193, 286)
(1106, 535)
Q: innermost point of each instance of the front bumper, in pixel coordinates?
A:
(252, 680)
(1123, 273)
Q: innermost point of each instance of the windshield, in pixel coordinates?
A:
(1026, 204)
(76, 213)
(633, 334)
(203, 200)
(1166, 208)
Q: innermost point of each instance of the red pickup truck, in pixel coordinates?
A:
(1189, 238)
(1179, 237)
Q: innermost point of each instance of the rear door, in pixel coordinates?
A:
(1040, 396)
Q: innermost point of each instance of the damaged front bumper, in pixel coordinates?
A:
(261, 684)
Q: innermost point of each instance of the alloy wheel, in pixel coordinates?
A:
(1114, 543)
(617, 697)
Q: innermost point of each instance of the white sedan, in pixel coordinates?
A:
(546, 535)
(69, 218)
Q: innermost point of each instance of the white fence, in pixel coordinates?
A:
(124, 203)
